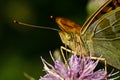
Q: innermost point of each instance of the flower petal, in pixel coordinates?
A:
(61, 68)
(75, 65)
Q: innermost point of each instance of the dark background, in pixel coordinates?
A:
(21, 46)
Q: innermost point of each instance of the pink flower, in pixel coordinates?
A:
(77, 69)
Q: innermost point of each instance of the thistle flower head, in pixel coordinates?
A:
(77, 69)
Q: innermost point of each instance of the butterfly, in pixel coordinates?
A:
(99, 35)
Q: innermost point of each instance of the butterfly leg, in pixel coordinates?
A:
(68, 50)
(61, 50)
(102, 59)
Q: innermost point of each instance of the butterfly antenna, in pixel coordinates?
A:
(43, 27)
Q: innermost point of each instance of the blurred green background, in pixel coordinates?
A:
(21, 46)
